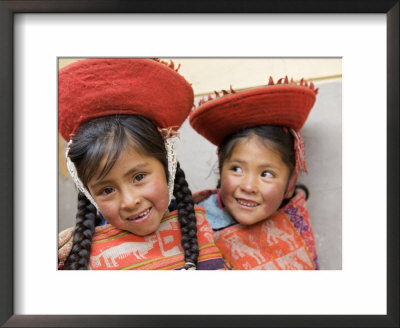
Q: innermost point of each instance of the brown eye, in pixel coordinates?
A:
(139, 177)
(236, 169)
(107, 190)
(267, 174)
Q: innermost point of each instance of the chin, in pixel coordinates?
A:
(244, 220)
(144, 232)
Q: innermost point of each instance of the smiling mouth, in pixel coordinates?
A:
(246, 203)
(141, 217)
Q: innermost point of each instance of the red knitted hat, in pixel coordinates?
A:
(98, 87)
(284, 103)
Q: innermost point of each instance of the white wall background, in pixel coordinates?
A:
(322, 135)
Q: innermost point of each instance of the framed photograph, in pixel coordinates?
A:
(363, 291)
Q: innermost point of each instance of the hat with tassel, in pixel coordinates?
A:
(284, 103)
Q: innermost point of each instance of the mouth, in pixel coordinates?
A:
(141, 217)
(246, 203)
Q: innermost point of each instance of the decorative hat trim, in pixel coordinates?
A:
(281, 81)
(171, 64)
(169, 132)
(300, 153)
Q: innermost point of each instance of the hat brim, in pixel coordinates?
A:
(135, 86)
(283, 105)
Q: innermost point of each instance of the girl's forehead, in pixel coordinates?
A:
(127, 149)
(255, 141)
(255, 148)
(112, 153)
(127, 158)
(256, 153)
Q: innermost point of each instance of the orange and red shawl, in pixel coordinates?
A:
(284, 241)
(114, 249)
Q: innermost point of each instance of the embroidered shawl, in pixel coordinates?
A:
(284, 241)
(114, 249)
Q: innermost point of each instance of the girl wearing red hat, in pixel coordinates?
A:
(119, 117)
(258, 214)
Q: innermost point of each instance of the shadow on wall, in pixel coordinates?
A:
(322, 135)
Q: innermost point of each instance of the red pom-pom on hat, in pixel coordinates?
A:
(98, 87)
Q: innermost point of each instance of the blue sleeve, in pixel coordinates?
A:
(216, 217)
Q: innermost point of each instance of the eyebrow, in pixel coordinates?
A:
(234, 160)
(134, 169)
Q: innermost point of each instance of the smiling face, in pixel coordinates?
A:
(253, 181)
(133, 195)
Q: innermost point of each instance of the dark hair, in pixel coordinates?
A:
(107, 136)
(275, 137)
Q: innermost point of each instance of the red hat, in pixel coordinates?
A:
(98, 87)
(284, 103)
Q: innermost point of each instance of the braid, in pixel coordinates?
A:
(78, 259)
(187, 218)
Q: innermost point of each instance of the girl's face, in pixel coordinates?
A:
(133, 196)
(253, 181)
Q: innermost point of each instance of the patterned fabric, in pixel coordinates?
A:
(114, 249)
(283, 242)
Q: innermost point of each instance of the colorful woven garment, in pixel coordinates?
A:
(114, 249)
(284, 241)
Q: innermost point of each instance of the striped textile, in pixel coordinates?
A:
(114, 249)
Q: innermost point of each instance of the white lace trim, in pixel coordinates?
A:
(74, 175)
(172, 163)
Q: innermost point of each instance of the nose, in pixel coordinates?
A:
(249, 184)
(129, 199)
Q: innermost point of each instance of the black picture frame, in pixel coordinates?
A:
(7, 200)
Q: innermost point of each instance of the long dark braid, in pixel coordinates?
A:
(78, 258)
(186, 218)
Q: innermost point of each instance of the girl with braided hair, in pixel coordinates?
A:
(258, 214)
(121, 116)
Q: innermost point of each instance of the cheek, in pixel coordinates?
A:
(274, 195)
(109, 211)
(228, 186)
(157, 192)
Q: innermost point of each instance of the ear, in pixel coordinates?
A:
(291, 185)
(289, 193)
